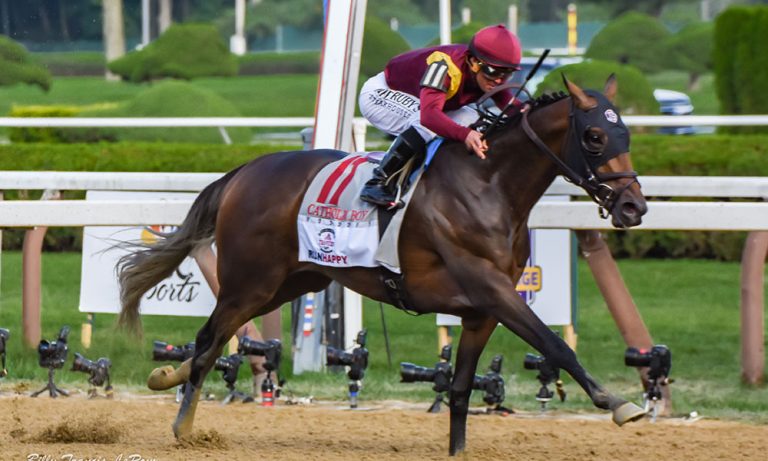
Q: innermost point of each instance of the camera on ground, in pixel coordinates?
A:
(441, 374)
(53, 354)
(164, 352)
(492, 384)
(357, 360)
(4, 335)
(98, 371)
(547, 375)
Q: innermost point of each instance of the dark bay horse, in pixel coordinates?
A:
(463, 246)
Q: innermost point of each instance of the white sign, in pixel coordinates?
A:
(547, 280)
(184, 293)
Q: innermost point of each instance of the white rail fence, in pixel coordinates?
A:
(688, 215)
(750, 213)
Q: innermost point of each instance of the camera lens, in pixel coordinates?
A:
(532, 361)
(82, 364)
(335, 356)
(634, 357)
(410, 373)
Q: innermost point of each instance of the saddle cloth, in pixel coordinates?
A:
(338, 229)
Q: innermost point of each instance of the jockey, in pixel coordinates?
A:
(424, 93)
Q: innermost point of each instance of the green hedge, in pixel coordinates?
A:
(712, 155)
(135, 157)
(652, 155)
(72, 63)
(305, 62)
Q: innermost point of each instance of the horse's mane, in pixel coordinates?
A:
(542, 101)
(547, 99)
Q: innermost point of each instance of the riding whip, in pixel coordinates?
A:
(530, 75)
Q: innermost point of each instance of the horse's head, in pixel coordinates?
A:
(597, 153)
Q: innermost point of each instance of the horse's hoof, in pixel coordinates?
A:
(182, 430)
(626, 413)
(158, 380)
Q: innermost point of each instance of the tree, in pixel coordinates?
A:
(114, 36)
(632, 38)
(690, 50)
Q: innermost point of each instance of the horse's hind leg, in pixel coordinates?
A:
(474, 336)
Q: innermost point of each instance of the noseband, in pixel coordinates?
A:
(594, 183)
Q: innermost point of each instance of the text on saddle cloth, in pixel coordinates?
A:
(338, 229)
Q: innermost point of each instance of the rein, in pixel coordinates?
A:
(604, 195)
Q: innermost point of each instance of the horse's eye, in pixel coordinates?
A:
(594, 140)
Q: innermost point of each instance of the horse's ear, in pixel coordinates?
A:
(611, 87)
(579, 97)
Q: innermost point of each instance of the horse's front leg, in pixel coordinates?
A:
(493, 291)
(474, 337)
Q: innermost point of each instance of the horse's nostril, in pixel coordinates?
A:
(629, 209)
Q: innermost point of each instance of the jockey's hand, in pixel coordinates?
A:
(476, 144)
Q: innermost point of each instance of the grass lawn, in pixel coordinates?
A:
(261, 96)
(689, 305)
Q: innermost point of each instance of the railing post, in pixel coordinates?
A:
(752, 305)
(618, 299)
(31, 275)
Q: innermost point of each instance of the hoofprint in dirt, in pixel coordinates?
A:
(134, 427)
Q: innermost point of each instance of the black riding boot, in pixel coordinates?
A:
(379, 190)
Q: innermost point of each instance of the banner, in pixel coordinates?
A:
(185, 292)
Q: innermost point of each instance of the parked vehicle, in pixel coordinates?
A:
(674, 103)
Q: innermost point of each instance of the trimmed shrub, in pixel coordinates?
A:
(174, 99)
(16, 66)
(632, 38)
(635, 95)
(380, 44)
(730, 39)
(184, 51)
(741, 63)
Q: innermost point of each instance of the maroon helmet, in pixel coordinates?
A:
(497, 46)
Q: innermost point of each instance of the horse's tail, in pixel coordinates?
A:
(146, 266)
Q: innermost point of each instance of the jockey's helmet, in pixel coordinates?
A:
(497, 46)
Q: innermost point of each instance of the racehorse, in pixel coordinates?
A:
(463, 243)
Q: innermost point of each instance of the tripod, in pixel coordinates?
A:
(51, 387)
(234, 395)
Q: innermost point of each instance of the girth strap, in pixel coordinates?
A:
(394, 283)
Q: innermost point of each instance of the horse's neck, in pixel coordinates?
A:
(523, 170)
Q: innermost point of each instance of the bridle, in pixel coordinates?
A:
(592, 182)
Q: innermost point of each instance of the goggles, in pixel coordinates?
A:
(493, 72)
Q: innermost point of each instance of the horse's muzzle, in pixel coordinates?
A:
(628, 210)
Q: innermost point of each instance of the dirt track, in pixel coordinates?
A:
(133, 428)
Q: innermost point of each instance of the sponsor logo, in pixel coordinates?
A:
(149, 234)
(326, 258)
(531, 280)
(611, 116)
(338, 214)
(326, 240)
